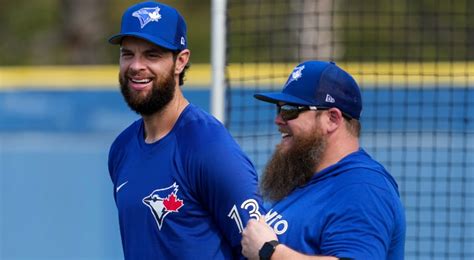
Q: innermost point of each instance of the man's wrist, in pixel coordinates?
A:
(268, 249)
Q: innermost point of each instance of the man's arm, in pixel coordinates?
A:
(258, 232)
(227, 186)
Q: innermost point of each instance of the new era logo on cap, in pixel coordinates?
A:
(321, 84)
(155, 22)
(330, 99)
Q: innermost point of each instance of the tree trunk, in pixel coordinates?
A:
(313, 26)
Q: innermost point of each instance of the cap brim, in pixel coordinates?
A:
(117, 39)
(277, 97)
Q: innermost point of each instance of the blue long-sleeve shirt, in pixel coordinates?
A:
(186, 196)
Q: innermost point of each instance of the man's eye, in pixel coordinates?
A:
(154, 55)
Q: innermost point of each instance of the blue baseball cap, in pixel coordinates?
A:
(321, 84)
(155, 22)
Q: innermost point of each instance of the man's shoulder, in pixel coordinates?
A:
(202, 137)
(198, 126)
(360, 167)
(194, 116)
(360, 172)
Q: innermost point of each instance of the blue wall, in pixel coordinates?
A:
(56, 199)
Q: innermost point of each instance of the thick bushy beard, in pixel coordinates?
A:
(292, 167)
(161, 94)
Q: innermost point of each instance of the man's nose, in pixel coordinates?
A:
(279, 120)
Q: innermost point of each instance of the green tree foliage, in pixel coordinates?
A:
(358, 30)
(60, 32)
(419, 30)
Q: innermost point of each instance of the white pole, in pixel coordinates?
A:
(218, 56)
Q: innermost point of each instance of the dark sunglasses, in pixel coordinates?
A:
(290, 112)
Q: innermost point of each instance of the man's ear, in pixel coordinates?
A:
(181, 60)
(335, 119)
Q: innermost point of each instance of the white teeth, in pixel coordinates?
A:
(283, 135)
(141, 81)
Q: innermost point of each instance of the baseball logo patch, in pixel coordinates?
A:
(147, 15)
(163, 202)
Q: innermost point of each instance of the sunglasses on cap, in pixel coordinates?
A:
(290, 112)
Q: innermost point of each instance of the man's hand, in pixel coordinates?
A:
(255, 234)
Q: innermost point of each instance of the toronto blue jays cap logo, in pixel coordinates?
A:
(295, 75)
(154, 22)
(162, 202)
(147, 15)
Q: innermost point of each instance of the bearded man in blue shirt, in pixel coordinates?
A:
(183, 187)
(332, 200)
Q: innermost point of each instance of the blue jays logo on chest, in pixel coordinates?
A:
(162, 202)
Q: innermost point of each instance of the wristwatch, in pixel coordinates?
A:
(267, 249)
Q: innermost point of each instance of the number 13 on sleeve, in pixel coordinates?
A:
(249, 205)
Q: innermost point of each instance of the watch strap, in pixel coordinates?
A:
(268, 249)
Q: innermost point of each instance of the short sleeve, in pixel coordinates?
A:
(360, 223)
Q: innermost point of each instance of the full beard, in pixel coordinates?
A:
(293, 167)
(161, 94)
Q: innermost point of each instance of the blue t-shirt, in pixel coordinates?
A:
(186, 196)
(351, 209)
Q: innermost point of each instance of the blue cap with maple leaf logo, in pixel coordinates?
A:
(155, 22)
(321, 84)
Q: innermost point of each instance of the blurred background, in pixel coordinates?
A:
(66, 32)
(60, 108)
